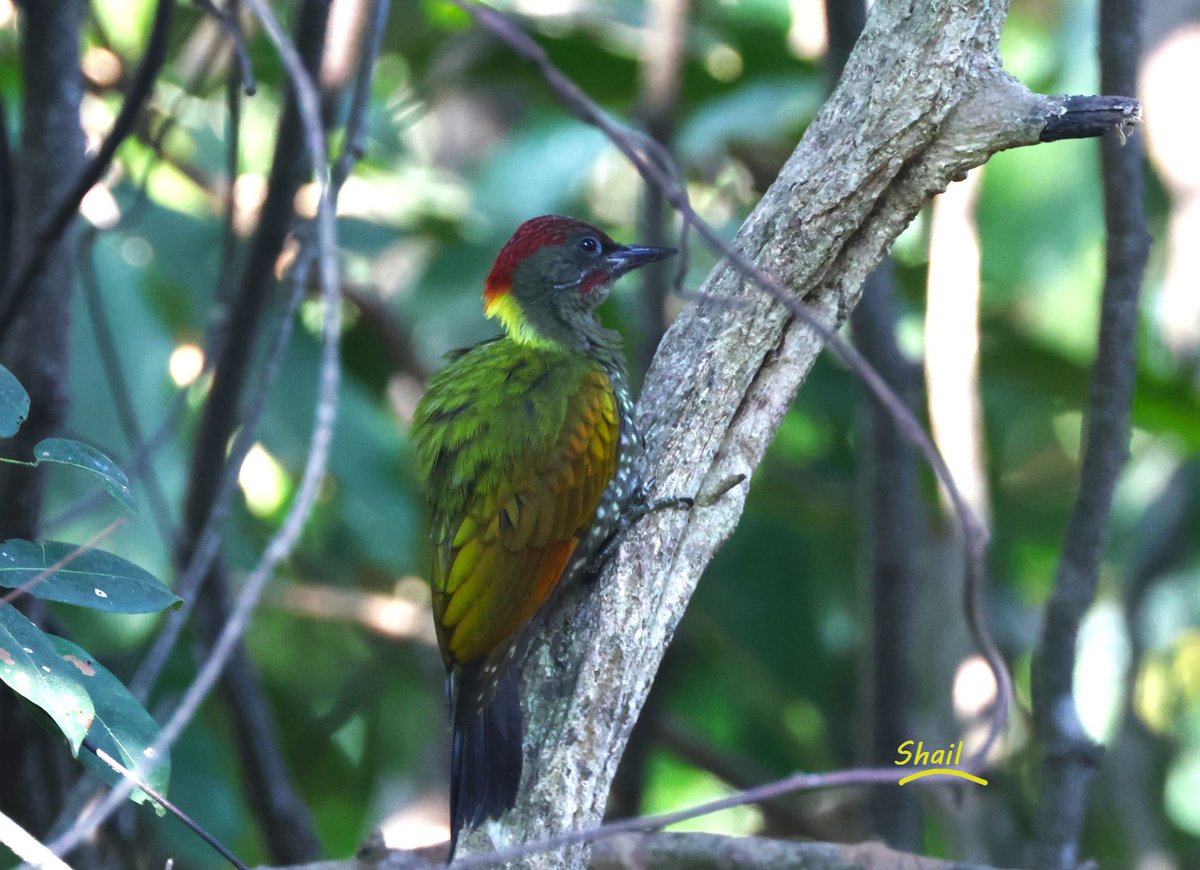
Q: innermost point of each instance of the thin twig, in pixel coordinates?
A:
(209, 541)
(161, 799)
(632, 145)
(51, 231)
(28, 847)
(232, 24)
(8, 199)
(228, 257)
(118, 384)
(864, 776)
(354, 144)
(73, 554)
(232, 339)
(107, 345)
(134, 468)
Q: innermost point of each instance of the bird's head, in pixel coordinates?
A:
(551, 275)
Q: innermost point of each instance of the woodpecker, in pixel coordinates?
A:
(526, 446)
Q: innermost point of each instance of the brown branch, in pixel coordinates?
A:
(1071, 758)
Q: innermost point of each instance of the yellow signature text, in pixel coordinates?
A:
(914, 752)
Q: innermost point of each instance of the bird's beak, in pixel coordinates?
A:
(629, 257)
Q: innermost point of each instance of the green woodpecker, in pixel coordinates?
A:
(526, 448)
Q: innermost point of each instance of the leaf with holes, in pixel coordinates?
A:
(67, 452)
(89, 578)
(14, 403)
(121, 729)
(33, 668)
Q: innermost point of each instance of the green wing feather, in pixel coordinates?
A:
(516, 445)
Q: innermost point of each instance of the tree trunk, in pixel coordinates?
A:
(922, 100)
(51, 157)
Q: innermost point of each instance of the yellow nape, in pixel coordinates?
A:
(507, 310)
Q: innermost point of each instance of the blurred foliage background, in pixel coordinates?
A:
(767, 673)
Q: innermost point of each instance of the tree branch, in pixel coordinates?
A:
(232, 25)
(660, 73)
(892, 515)
(695, 851)
(8, 196)
(27, 847)
(669, 850)
(1071, 757)
(51, 230)
(893, 527)
(35, 348)
(1088, 117)
(922, 100)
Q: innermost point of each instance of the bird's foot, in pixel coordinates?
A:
(641, 505)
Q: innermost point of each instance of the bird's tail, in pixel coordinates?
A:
(485, 757)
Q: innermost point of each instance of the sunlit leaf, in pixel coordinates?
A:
(67, 452)
(121, 727)
(92, 578)
(33, 668)
(14, 403)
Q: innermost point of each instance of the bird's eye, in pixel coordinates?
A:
(589, 244)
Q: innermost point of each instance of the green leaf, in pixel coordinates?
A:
(67, 452)
(33, 668)
(121, 727)
(14, 403)
(92, 578)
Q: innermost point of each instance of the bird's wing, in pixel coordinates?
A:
(516, 446)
